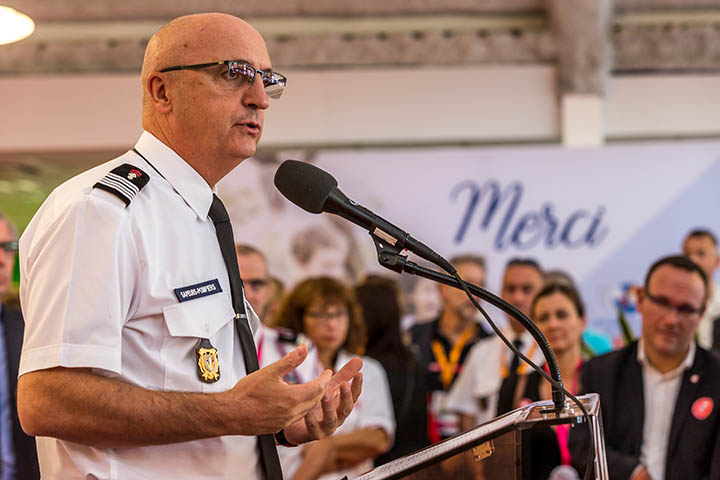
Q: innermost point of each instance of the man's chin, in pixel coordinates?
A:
(670, 349)
(245, 145)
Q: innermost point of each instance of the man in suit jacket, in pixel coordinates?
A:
(22, 461)
(660, 396)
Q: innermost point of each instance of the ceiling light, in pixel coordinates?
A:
(14, 25)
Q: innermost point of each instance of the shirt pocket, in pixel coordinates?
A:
(187, 323)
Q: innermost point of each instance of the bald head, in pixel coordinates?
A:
(189, 40)
(211, 118)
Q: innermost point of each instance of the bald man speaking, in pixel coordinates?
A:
(139, 359)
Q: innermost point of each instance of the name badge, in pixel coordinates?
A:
(198, 290)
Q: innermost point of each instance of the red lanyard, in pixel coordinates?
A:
(573, 387)
(562, 432)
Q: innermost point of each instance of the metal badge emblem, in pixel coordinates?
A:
(207, 361)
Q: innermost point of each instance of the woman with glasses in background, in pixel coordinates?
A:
(326, 311)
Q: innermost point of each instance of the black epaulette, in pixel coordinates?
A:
(287, 335)
(124, 181)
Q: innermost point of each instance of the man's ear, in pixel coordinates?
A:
(157, 89)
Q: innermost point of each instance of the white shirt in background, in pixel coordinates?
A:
(660, 391)
(374, 408)
(475, 391)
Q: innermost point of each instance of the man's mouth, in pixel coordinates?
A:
(251, 127)
(669, 334)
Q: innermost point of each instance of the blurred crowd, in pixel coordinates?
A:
(442, 369)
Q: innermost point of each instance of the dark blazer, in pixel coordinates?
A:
(694, 445)
(25, 451)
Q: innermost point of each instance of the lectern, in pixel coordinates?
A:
(495, 450)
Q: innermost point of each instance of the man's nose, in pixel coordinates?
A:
(671, 316)
(255, 96)
(517, 298)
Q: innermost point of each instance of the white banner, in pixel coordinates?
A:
(602, 215)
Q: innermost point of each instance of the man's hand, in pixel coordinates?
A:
(265, 403)
(326, 416)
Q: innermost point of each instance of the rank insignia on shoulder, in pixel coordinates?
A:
(124, 181)
(207, 361)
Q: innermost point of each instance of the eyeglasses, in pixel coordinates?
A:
(327, 314)
(273, 82)
(9, 247)
(684, 311)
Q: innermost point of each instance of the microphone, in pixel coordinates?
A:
(315, 191)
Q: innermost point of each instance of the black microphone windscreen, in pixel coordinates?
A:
(307, 186)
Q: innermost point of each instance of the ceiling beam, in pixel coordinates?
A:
(585, 41)
(93, 10)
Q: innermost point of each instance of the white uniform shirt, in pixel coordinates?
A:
(374, 408)
(660, 391)
(483, 373)
(97, 291)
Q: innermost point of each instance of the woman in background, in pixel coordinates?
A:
(325, 310)
(379, 298)
(559, 313)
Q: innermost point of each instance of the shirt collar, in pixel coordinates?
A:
(186, 181)
(685, 365)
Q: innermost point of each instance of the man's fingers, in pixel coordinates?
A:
(330, 416)
(348, 371)
(313, 427)
(289, 362)
(307, 395)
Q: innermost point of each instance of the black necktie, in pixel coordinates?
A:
(223, 230)
(515, 363)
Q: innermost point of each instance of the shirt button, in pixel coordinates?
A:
(207, 328)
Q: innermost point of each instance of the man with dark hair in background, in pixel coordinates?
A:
(443, 345)
(660, 394)
(17, 450)
(701, 247)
